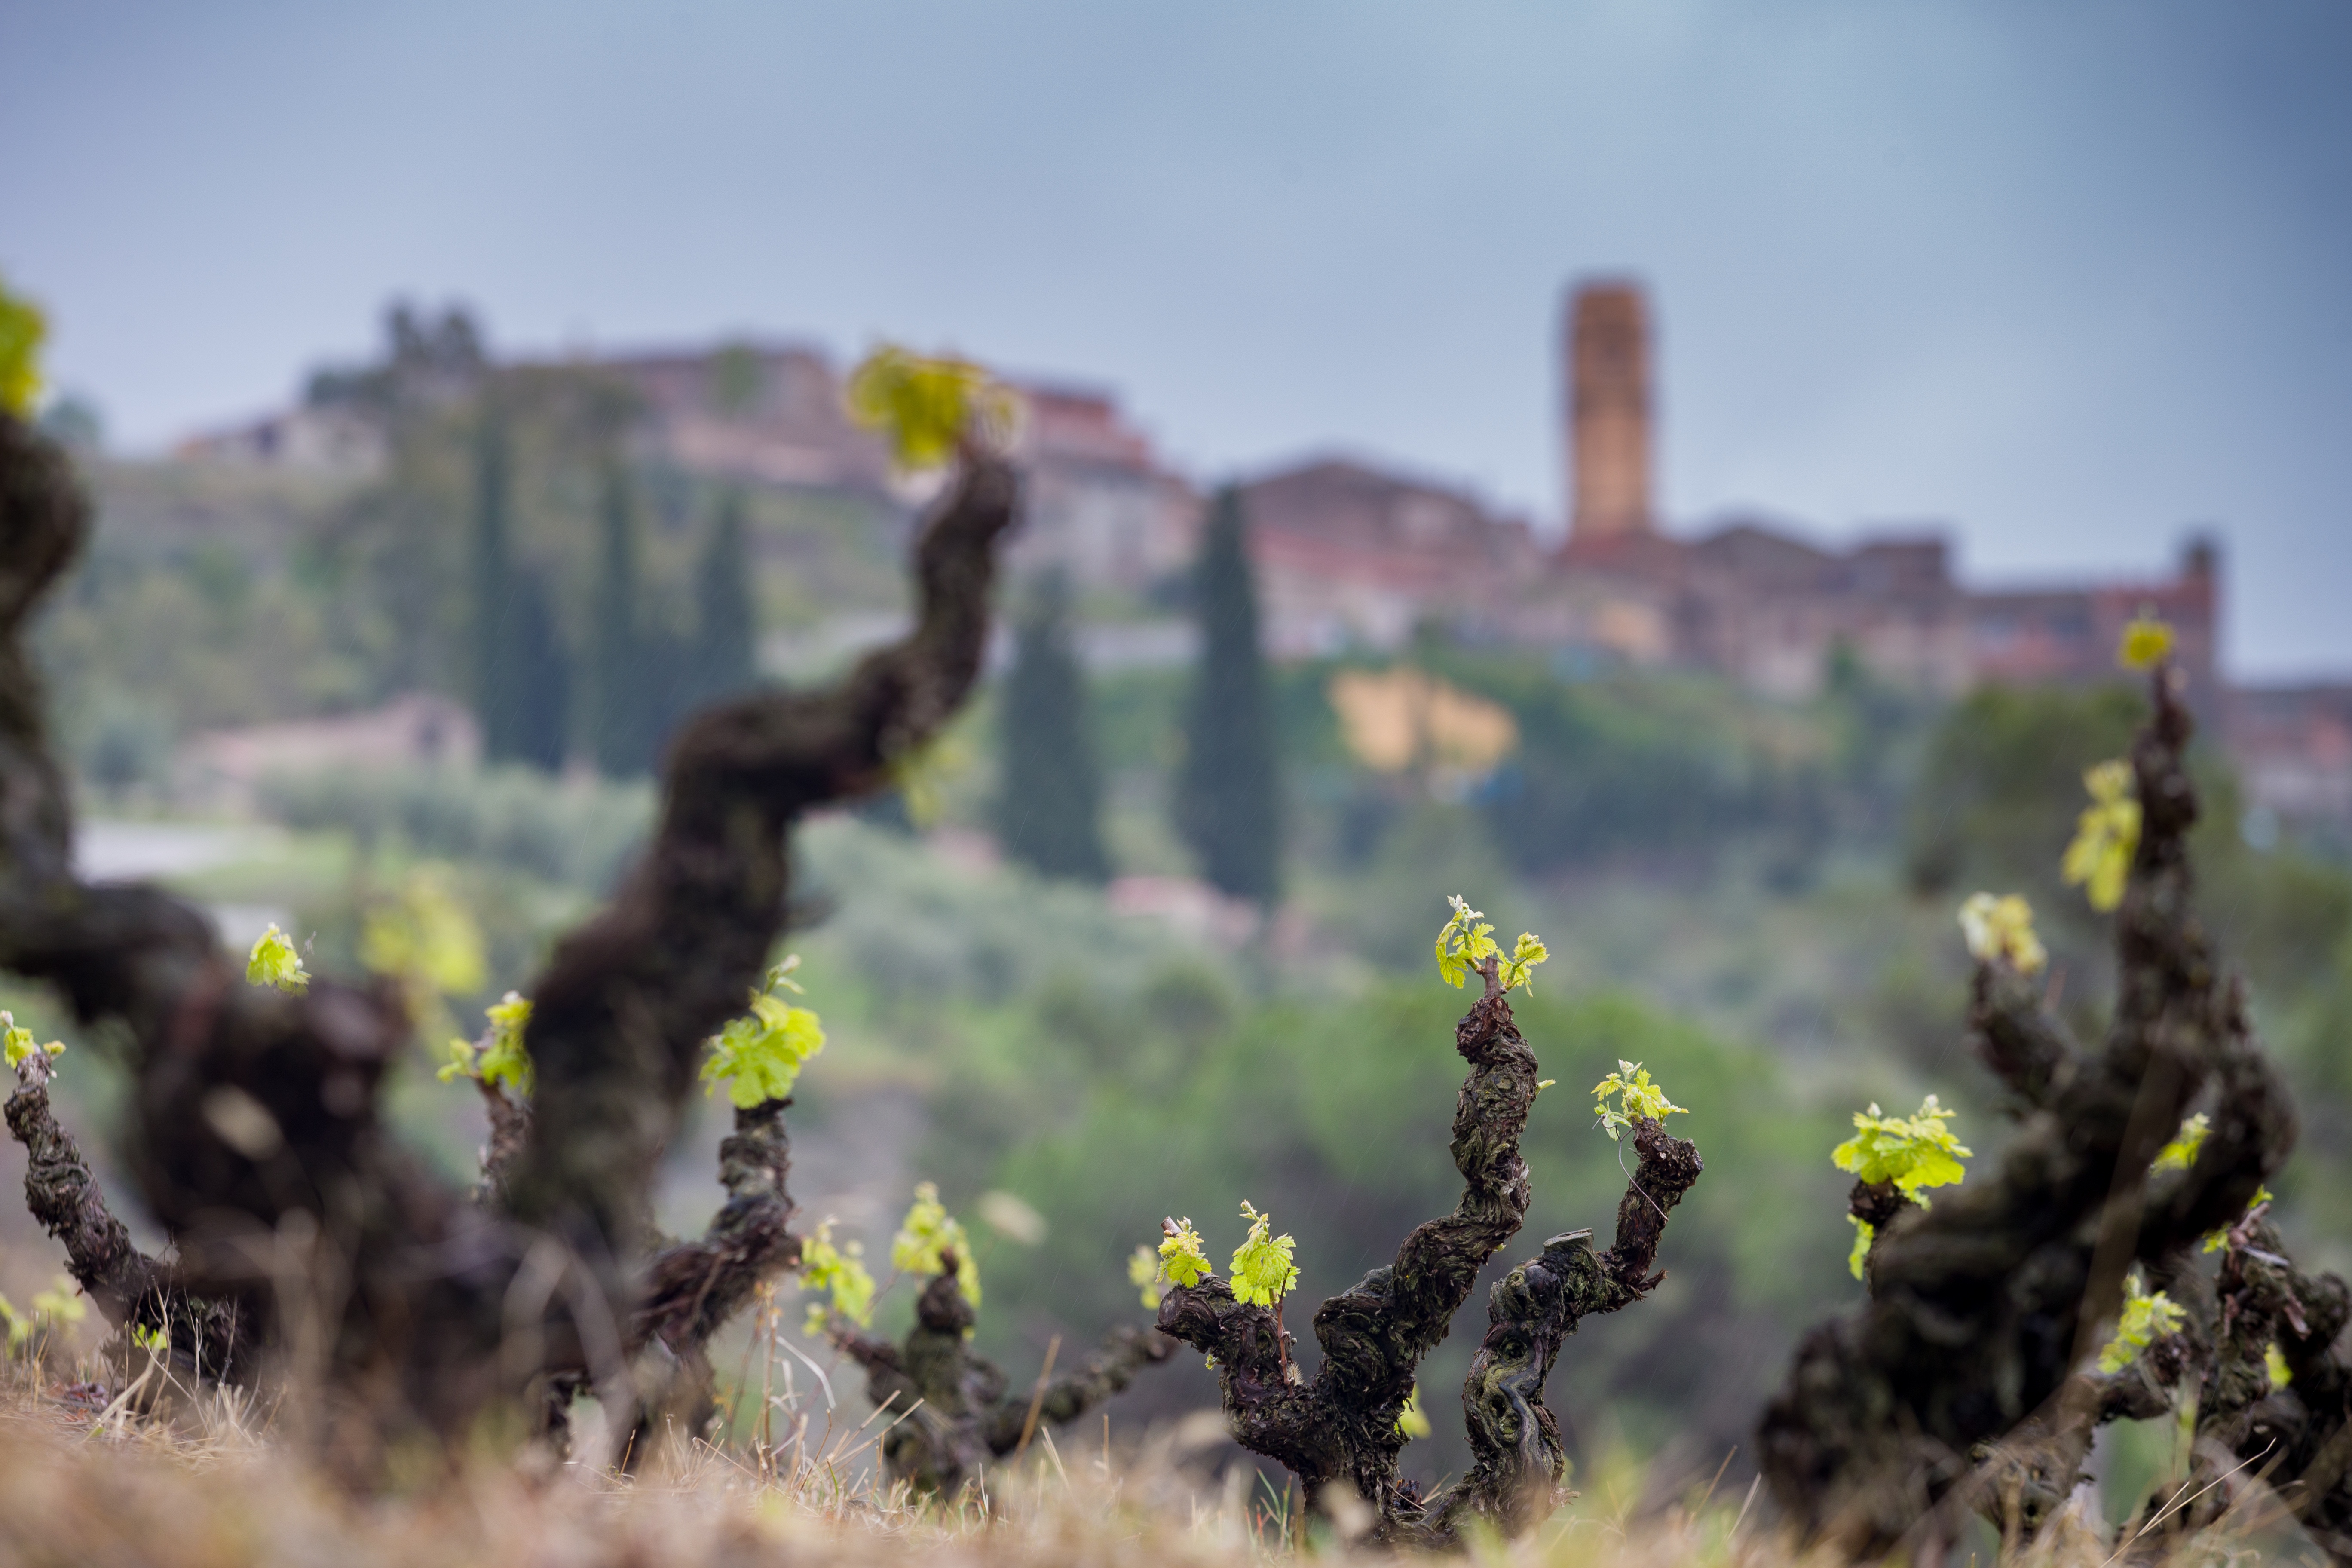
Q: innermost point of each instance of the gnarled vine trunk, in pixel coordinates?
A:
(1959, 1381)
(1341, 1428)
(952, 1409)
(254, 1133)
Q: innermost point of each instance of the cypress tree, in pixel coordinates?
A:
(497, 701)
(543, 677)
(726, 633)
(1228, 796)
(618, 729)
(1049, 807)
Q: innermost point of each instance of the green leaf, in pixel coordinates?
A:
(275, 961)
(2002, 929)
(1912, 1152)
(22, 328)
(2146, 643)
(1411, 1422)
(925, 408)
(425, 936)
(2182, 1153)
(1263, 1270)
(841, 1273)
(1865, 1233)
(2107, 835)
(17, 1041)
(2275, 1365)
(1143, 1273)
(926, 1237)
(1637, 1097)
(2146, 1317)
(759, 1056)
(1181, 1259)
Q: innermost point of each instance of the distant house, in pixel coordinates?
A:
(1349, 557)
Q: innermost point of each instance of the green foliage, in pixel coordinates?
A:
(2107, 835)
(2274, 1363)
(502, 1061)
(1411, 1421)
(1229, 805)
(1637, 1098)
(925, 408)
(724, 658)
(840, 1273)
(2002, 929)
(425, 936)
(522, 675)
(1990, 802)
(2146, 643)
(2182, 1153)
(1049, 794)
(17, 1042)
(22, 328)
(623, 682)
(1181, 1259)
(1463, 943)
(58, 1306)
(1143, 1273)
(275, 961)
(759, 1056)
(1912, 1152)
(926, 1237)
(1865, 1233)
(2146, 1317)
(1263, 1272)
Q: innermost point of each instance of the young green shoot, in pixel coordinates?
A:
(1637, 1098)
(2146, 643)
(2106, 837)
(2002, 929)
(1263, 1270)
(926, 408)
(928, 1235)
(2182, 1153)
(1181, 1259)
(275, 961)
(2146, 1319)
(501, 1061)
(759, 1056)
(1464, 942)
(22, 328)
(1411, 1421)
(17, 1042)
(1914, 1151)
(840, 1273)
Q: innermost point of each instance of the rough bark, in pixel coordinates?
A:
(1341, 1428)
(415, 1305)
(1981, 1307)
(963, 1412)
(206, 1338)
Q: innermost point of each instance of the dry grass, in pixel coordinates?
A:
(162, 1475)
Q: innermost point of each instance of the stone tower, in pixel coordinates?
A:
(1608, 352)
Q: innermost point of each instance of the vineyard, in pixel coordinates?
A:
(340, 1348)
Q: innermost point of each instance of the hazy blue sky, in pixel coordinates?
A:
(2069, 275)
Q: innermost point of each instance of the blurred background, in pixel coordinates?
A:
(1673, 474)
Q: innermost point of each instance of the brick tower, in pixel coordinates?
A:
(1607, 347)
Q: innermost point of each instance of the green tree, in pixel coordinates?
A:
(725, 655)
(619, 728)
(542, 677)
(1049, 807)
(497, 698)
(1228, 797)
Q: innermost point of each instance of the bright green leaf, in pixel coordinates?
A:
(275, 961)
(1912, 1152)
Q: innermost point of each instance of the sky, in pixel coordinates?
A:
(2070, 279)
